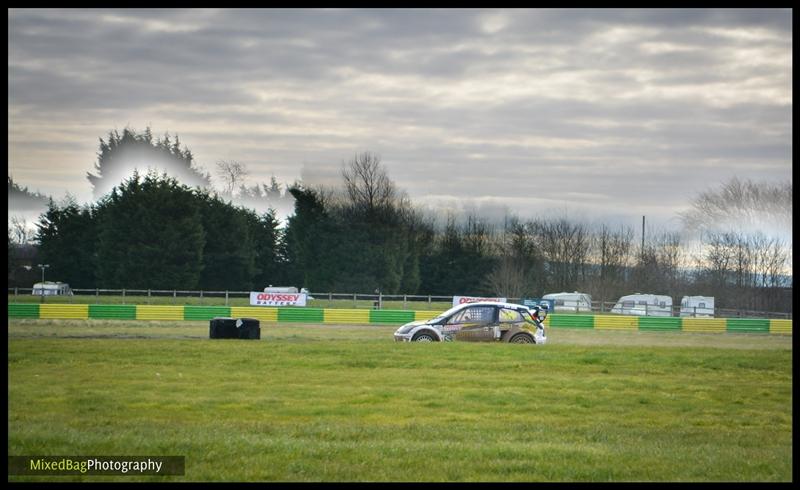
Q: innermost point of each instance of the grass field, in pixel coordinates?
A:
(346, 403)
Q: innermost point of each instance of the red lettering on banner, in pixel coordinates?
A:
(277, 297)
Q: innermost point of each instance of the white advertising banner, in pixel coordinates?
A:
(460, 300)
(277, 299)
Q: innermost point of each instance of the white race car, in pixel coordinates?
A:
(480, 322)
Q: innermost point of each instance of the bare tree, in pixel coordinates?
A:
(19, 232)
(367, 184)
(741, 206)
(232, 174)
(612, 256)
(516, 272)
(565, 247)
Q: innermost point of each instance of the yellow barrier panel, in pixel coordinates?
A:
(425, 315)
(257, 312)
(332, 315)
(150, 312)
(64, 311)
(606, 322)
(706, 325)
(783, 327)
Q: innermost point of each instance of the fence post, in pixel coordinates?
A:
(429, 301)
(148, 296)
(355, 301)
(123, 296)
(330, 300)
(405, 297)
(226, 297)
(174, 296)
(201, 296)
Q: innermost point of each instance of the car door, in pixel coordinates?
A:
(512, 321)
(475, 323)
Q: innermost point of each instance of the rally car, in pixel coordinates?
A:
(480, 322)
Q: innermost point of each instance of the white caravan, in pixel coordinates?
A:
(697, 306)
(570, 302)
(51, 289)
(644, 305)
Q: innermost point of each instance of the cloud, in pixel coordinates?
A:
(641, 107)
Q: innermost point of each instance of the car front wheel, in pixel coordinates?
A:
(424, 337)
(522, 338)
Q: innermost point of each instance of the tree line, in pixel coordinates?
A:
(152, 231)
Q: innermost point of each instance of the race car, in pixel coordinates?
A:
(480, 322)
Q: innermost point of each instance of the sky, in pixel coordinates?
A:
(598, 115)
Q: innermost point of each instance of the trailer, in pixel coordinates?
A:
(570, 302)
(697, 306)
(644, 305)
(51, 289)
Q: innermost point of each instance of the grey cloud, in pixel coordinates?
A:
(583, 112)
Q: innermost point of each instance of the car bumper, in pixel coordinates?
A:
(402, 337)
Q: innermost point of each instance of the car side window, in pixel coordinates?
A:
(474, 314)
(510, 316)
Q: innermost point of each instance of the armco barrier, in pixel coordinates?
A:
(147, 312)
(703, 325)
(110, 312)
(345, 316)
(80, 312)
(659, 324)
(205, 312)
(307, 315)
(570, 321)
(609, 322)
(393, 317)
(257, 312)
(21, 310)
(384, 317)
(780, 327)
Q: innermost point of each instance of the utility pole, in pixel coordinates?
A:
(642, 238)
(43, 267)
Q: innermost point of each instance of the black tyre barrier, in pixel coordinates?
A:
(223, 328)
(234, 328)
(248, 328)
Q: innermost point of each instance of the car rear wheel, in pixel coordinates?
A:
(522, 338)
(424, 337)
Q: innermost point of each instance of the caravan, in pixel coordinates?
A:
(697, 306)
(644, 305)
(570, 302)
(51, 289)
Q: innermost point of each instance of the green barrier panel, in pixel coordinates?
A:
(311, 315)
(398, 317)
(120, 312)
(659, 324)
(747, 325)
(205, 312)
(18, 310)
(571, 321)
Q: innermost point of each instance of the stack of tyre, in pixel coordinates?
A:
(234, 328)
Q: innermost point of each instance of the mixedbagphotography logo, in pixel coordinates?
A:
(96, 465)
